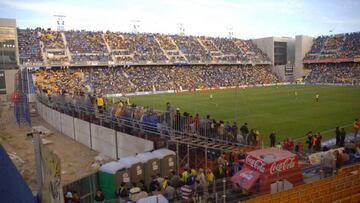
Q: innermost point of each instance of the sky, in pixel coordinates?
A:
(246, 19)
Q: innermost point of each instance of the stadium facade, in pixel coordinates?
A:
(9, 58)
(286, 54)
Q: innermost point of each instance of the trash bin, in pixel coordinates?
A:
(167, 161)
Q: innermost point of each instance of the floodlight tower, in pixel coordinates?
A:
(231, 33)
(60, 22)
(181, 29)
(136, 26)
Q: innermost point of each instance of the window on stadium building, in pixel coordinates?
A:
(280, 53)
(7, 47)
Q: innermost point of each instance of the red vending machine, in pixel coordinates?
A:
(269, 170)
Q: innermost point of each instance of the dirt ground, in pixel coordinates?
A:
(77, 160)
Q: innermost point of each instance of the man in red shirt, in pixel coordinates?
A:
(356, 127)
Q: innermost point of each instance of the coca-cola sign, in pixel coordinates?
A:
(278, 167)
(256, 164)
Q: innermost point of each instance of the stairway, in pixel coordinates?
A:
(42, 49)
(165, 53)
(108, 48)
(67, 50)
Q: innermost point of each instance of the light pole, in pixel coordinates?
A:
(136, 26)
(60, 22)
(181, 29)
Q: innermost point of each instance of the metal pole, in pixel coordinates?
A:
(224, 191)
(206, 163)
(188, 157)
(177, 157)
(37, 150)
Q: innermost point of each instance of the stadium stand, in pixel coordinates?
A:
(94, 48)
(348, 73)
(343, 187)
(148, 78)
(86, 46)
(334, 59)
(341, 46)
(53, 47)
(29, 46)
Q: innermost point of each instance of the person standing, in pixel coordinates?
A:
(272, 137)
(327, 163)
(342, 137)
(203, 185)
(317, 97)
(186, 193)
(100, 103)
(244, 132)
(169, 192)
(318, 142)
(356, 127)
(99, 197)
(337, 133)
(309, 140)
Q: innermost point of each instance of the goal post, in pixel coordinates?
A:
(114, 98)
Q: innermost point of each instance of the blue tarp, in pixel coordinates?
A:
(13, 187)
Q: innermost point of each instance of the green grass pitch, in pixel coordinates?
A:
(270, 108)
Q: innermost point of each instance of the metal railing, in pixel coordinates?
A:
(135, 121)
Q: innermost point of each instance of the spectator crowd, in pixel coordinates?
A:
(333, 73)
(94, 46)
(335, 46)
(148, 78)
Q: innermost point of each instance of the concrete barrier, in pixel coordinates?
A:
(56, 120)
(82, 132)
(103, 140)
(67, 125)
(129, 145)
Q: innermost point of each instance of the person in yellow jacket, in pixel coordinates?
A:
(100, 103)
(185, 175)
(49, 94)
(210, 178)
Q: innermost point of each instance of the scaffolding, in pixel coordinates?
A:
(21, 102)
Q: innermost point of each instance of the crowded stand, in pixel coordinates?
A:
(52, 39)
(148, 49)
(166, 42)
(341, 46)
(54, 47)
(252, 51)
(29, 46)
(191, 48)
(87, 46)
(348, 73)
(148, 78)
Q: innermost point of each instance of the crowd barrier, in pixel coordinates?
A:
(105, 140)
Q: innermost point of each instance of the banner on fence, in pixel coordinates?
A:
(52, 190)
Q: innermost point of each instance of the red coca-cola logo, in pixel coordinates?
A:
(256, 164)
(282, 166)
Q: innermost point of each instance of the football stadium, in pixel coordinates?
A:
(167, 102)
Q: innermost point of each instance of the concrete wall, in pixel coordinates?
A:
(302, 46)
(7, 22)
(267, 46)
(104, 140)
(137, 144)
(82, 132)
